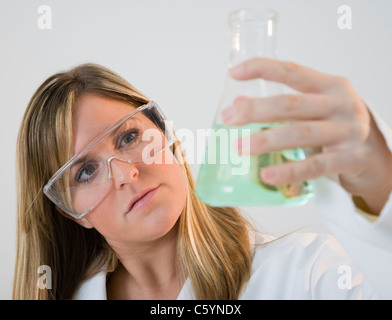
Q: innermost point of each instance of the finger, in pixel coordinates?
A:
(281, 108)
(311, 168)
(293, 75)
(305, 134)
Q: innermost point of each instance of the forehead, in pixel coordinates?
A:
(94, 114)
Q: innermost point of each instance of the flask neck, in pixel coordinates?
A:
(252, 33)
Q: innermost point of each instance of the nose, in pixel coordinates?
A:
(121, 171)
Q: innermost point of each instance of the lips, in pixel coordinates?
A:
(141, 198)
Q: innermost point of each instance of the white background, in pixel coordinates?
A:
(176, 52)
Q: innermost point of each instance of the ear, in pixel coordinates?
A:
(83, 221)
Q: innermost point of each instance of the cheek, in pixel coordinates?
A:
(106, 222)
(169, 204)
(175, 178)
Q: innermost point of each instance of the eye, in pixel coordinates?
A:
(85, 173)
(127, 138)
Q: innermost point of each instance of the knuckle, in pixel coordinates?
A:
(262, 138)
(359, 131)
(291, 103)
(317, 166)
(290, 69)
(360, 110)
(290, 66)
(343, 83)
(353, 105)
(304, 130)
(363, 130)
(350, 99)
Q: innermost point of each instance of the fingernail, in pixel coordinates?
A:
(242, 145)
(240, 99)
(269, 174)
(237, 71)
(228, 114)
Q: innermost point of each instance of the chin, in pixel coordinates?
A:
(162, 223)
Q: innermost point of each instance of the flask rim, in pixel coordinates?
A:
(252, 15)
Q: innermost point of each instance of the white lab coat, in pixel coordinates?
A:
(354, 263)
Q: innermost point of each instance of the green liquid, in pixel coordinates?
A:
(229, 179)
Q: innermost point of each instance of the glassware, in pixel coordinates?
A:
(225, 177)
(88, 177)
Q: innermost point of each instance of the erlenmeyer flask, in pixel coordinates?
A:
(225, 177)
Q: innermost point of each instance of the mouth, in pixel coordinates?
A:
(141, 199)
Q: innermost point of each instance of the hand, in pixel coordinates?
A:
(328, 114)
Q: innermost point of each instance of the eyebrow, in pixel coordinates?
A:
(80, 160)
(111, 134)
(114, 132)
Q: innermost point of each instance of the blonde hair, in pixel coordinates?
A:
(213, 243)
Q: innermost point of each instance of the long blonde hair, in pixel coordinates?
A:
(213, 242)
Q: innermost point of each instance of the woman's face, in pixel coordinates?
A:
(155, 214)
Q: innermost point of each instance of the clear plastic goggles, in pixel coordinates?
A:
(87, 178)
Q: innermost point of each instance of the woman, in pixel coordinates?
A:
(120, 227)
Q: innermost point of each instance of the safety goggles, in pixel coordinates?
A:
(87, 178)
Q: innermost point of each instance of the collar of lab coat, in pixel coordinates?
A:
(95, 287)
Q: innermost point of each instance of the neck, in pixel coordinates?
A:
(147, 270)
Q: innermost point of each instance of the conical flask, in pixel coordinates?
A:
(225, 177)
